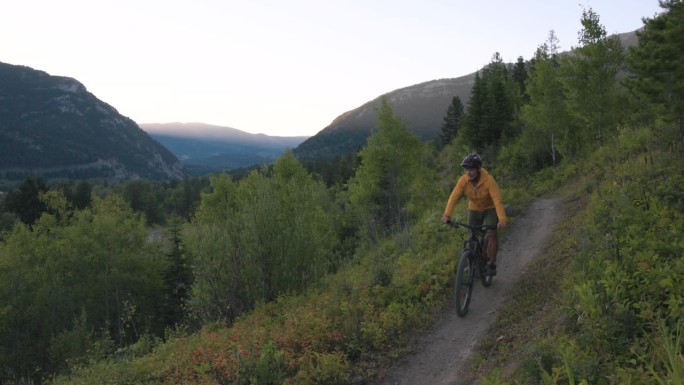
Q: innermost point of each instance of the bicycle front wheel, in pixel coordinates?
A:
(463, 287)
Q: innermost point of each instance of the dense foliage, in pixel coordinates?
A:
(286, 276)
(657, 63)
(257, 239)
(380, 190)
(75, 284)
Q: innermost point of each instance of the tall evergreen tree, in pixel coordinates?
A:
(491, 108)
(452, 121)
(546, 112)
(499, 105)
(474, 120)
(499, 110)
(380, 190)
(657, 62)
(82, 196)
(25, 200)
(177, 277)
(520, 76)
(590, 80)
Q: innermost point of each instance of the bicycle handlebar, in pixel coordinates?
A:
(481, 227)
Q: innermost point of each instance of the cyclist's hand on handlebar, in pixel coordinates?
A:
(445, 219)
(501, 224)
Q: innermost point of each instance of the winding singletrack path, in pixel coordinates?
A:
(440, 354)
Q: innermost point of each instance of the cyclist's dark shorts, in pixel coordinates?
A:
(487, 217)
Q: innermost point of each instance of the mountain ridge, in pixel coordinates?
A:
(218, 132)
(30, 144)
(204, 148)
(422, 106)
(53, 127)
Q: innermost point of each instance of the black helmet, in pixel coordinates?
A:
(472, 161)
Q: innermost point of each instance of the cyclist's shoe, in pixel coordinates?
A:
(491, 269)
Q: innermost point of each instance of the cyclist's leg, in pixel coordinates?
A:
(490, 219)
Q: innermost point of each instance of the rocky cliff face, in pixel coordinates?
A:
(51, 126)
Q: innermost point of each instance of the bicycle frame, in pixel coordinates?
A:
(472, 263)
(473, 242)
(476, 237)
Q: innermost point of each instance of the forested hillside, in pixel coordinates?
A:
(52, 127)
(283, 276)
(421, 106)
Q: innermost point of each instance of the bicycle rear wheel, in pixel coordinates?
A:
(463, 287)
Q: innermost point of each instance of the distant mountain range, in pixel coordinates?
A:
(422, 107)
(204, 148)
(52, 127)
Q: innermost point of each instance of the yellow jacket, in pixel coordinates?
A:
(485, 195)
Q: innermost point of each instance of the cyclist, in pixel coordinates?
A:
(485, 205)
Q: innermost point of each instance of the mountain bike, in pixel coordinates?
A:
(472, 264)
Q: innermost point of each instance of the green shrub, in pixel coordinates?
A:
(323, 369)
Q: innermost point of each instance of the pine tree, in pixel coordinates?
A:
(475, 114)
(546, 112)
(82, 196)
(499, 107)
(590, 81)
(380, 190)
(452, 121)
(491, 108)
(520, 76)
(657, 62)
(177, 277)
(25, 200)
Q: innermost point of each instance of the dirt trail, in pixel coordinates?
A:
(439, 355)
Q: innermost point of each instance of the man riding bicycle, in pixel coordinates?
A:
(485, 205)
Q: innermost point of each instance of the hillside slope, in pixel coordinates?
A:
(422, 106)
(51, 126)
(439, 355)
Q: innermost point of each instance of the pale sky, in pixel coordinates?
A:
(283, 68)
